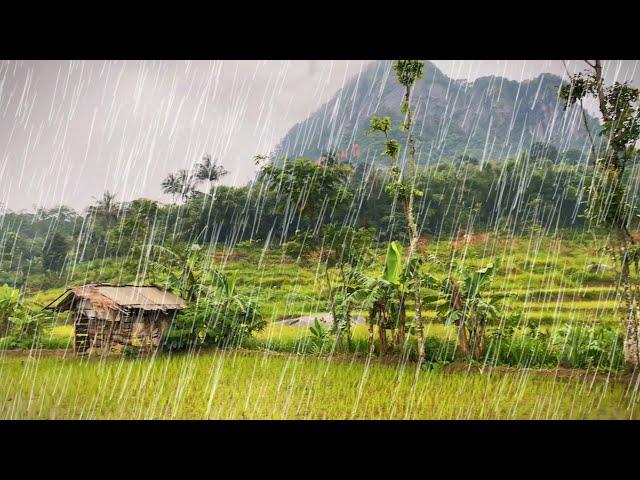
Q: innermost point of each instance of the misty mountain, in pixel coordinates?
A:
(489, 118)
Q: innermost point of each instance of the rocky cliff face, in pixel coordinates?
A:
(489, 118)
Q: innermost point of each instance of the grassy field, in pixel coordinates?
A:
(253, 385)
(549, 276)
(279, 374)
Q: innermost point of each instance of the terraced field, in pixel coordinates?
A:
(549, 278)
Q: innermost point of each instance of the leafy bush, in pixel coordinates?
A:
(20, 327)
(10, 305)
(222, 318)
(439, 350)
(321, 338)
(300, 246)
(571, 346)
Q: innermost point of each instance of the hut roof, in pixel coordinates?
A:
(119, 297)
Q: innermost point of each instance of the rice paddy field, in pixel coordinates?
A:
(252, 385)
(278, 375)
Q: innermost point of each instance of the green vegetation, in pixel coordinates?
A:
(610, 200)
(472, 265)
(249, 385)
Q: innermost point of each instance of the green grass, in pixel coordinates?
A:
(279, 374)
(251, 385)
(548, 274)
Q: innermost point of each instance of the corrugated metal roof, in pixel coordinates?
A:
(119, 296)
(145, 297)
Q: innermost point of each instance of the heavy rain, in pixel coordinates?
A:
(397, 239)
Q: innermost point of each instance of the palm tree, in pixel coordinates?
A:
(209, 171)
(106, 209)
(183, 184)
(171, 186)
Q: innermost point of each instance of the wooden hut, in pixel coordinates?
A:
(109, 318)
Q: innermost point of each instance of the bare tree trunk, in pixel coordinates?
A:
(478, 338)
(462, 338)
(382, 332)
(347, 326)
(456, 304)
(402, 321)
(632, 307)
(372, 321)
(333, 305)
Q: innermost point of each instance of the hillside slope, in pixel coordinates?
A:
(491, 117)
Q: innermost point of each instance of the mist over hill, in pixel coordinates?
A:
(489, 118)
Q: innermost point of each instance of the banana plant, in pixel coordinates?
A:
(383, 297)
(465, 302)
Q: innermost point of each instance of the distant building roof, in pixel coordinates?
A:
(119, 297)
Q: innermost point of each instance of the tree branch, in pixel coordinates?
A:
(584, 116)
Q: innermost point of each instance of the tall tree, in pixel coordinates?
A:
(209, 171)
(408, 72)
(55, 252)
(171, 186)
(542, 150)
(609, 205)
(182, 184)
(106, 210)
(307, 189)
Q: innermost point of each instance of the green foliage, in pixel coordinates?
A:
(181, 267)
(320, 337)
(620, 109)
(27, 330)
(570, 346)
(467, 303)
(55, 252)
(21, 327)
(209, 171)
(10, 304)
(543, 150)
(347, 245)
(300, 246)
(393, 264)
(222, 318)
(409, 71)
(380, 124)
(306, 185)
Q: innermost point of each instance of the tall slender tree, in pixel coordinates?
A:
(182, 184)
(408, 72)
(106, 209)
(609, 205)
(210, 171)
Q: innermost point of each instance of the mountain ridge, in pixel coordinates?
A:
(490, 117)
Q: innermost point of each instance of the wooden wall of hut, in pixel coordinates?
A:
(138, 331)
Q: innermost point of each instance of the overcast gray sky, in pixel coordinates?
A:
(71, 129)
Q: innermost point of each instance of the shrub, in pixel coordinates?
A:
(571, 346)
(438, 350)
(300, 246)
(10, 304)
(214, 321)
